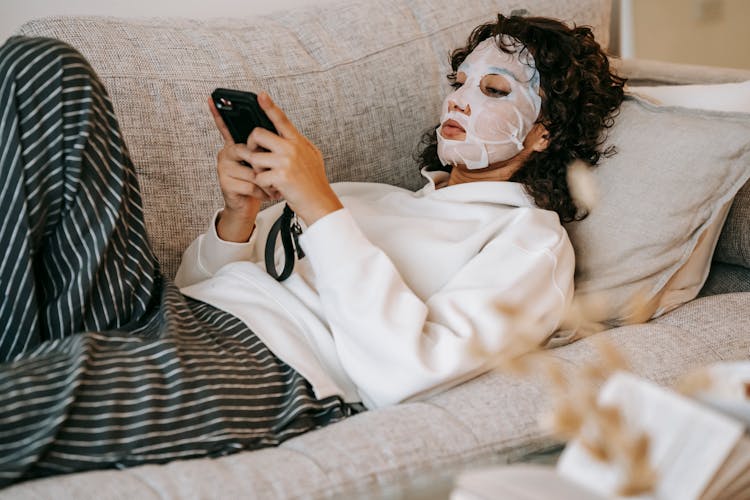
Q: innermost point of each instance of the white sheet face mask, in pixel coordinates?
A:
(496, 125)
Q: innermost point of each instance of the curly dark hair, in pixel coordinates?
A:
(581, 96)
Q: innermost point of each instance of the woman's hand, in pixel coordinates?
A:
(242, 195)
(292, 166)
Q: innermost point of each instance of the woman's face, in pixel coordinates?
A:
(495, 105)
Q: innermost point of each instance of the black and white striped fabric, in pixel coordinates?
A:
(104, 362)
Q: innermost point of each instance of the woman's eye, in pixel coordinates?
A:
(456, 85)
(496, 92)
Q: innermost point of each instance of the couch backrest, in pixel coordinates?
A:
(362, 79)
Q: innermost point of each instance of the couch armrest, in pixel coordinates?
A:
(647, 72)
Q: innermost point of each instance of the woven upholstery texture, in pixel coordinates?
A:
(726, 278)
(734, 242)
(362, 79)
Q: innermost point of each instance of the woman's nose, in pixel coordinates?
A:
(453, 106)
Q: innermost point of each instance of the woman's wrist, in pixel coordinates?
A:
(321, 209)
(234, 228)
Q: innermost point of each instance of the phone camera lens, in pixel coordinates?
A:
(224, 103)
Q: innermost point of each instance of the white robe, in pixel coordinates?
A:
(400, 293)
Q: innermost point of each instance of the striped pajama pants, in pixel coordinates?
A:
(104, 363)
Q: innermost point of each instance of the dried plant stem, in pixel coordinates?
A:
(576, 413)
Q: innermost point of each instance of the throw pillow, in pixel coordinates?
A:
(675, 170)
(733, 245)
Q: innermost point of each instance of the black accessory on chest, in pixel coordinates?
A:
(289, 229)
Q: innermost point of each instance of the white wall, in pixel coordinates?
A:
(13, 13)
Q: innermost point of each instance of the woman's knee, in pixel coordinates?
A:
(23, 56)
(20, 47)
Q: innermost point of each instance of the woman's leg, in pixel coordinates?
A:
(164, 377)
(206, 387)
(75, 251)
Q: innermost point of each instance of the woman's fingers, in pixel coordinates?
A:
(223, 130)
(251, 144)
(283, 125)
(241, 187)
(229, 167)
(266, 179)
(241, 172)
(237, 152)
(263, 161)
(247, 174)
(262, 138)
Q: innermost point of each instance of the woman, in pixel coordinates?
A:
(399, 294)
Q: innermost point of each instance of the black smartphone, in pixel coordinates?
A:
(241, 113)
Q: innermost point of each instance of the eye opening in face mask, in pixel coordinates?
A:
(494, 86)
(489, 91)
(457, 79)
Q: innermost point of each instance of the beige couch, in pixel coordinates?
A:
(352, 58)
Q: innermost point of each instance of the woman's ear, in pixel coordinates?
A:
(538, 138)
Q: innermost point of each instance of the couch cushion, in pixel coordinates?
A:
(703, 331)
(245, 475)
(726, 278)
(390, 444)
(734, 242)
(720, 323)
(674, 170)
(363, 79)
